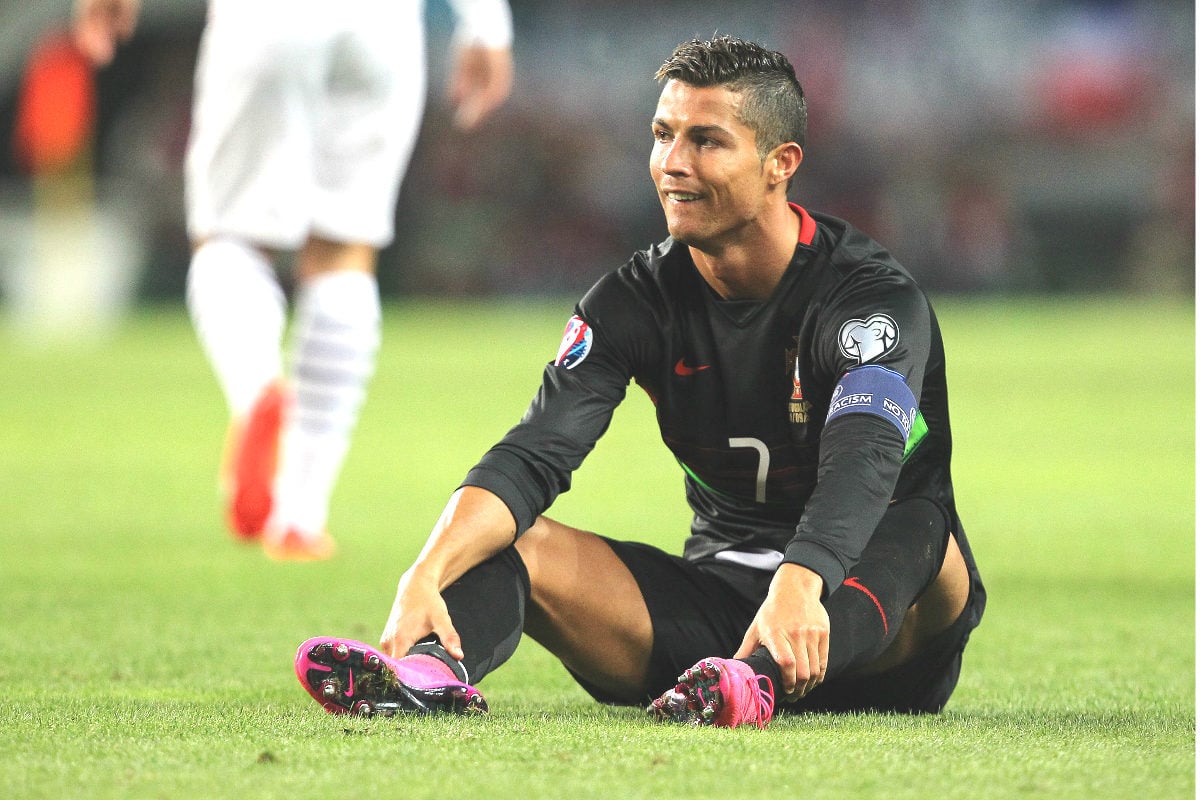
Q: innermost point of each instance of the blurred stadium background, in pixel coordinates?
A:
(1012, 148)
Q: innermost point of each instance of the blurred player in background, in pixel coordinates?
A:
(799, 378)
(304, 120)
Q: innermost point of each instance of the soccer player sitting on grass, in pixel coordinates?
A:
(798, 376)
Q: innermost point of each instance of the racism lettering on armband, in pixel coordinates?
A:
(877, 390)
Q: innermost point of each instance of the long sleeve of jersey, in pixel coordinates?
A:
(859, 464)
(862, 444)
(532, 465)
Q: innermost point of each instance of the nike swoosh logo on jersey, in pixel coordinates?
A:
(685, 370)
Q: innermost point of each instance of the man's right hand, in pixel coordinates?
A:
(480, 81)
(474, 526)
(417, 611)
(101, 25)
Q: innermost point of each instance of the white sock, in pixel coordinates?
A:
(335, 339)
(238, 310)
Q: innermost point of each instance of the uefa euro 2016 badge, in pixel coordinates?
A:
(867, 339)
(576, 344)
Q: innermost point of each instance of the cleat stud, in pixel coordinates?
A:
(372, 662)
(386, 709)
(362, 709)
(708, 712)
(329, 689)
(341, 651)
(319, 651)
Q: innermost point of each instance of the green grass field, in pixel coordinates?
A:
(149, 656)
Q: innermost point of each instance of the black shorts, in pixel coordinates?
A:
(703, 608)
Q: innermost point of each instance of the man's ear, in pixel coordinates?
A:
(783, 161)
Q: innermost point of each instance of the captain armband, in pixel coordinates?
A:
(877, 390)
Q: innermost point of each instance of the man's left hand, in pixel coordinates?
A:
(794, 627)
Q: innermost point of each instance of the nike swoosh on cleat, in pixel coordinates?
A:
(349, 683)
(685, 370)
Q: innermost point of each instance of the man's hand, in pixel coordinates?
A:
(474, 526)
(100, 25)
(480, 81)
(794, 627)
(418, 610)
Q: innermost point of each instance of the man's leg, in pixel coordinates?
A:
(335, 339)
(238, 310)
(910, 584)
(571, 593)
(938, 607)
(586, 608)
(487, 605)
(919, 668)
(565, 587)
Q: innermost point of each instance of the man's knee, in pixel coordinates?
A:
(556, 558)
(319, 256)
(919, 527)
(537, 545)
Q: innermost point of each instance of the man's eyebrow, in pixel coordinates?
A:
(702, 130)
(705, 130)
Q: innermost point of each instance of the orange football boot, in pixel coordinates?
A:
(291, 545)
(252, 450)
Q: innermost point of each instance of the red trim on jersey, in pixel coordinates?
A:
(808, 225)
(854, 583)
(653, 399)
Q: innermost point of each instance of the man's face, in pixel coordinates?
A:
(705, 166)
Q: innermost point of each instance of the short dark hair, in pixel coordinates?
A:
(773, 104)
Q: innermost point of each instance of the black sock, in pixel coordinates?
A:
(762, 664)
(487, 606)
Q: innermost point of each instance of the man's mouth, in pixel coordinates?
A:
(682, 197)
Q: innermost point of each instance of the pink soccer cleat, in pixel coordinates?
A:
(718, 691)
(248, 475)
(349, 677)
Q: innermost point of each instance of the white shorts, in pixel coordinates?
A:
(304, 121)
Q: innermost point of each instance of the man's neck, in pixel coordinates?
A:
(752, 267)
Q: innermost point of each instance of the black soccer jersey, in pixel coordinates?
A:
(795, 419)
